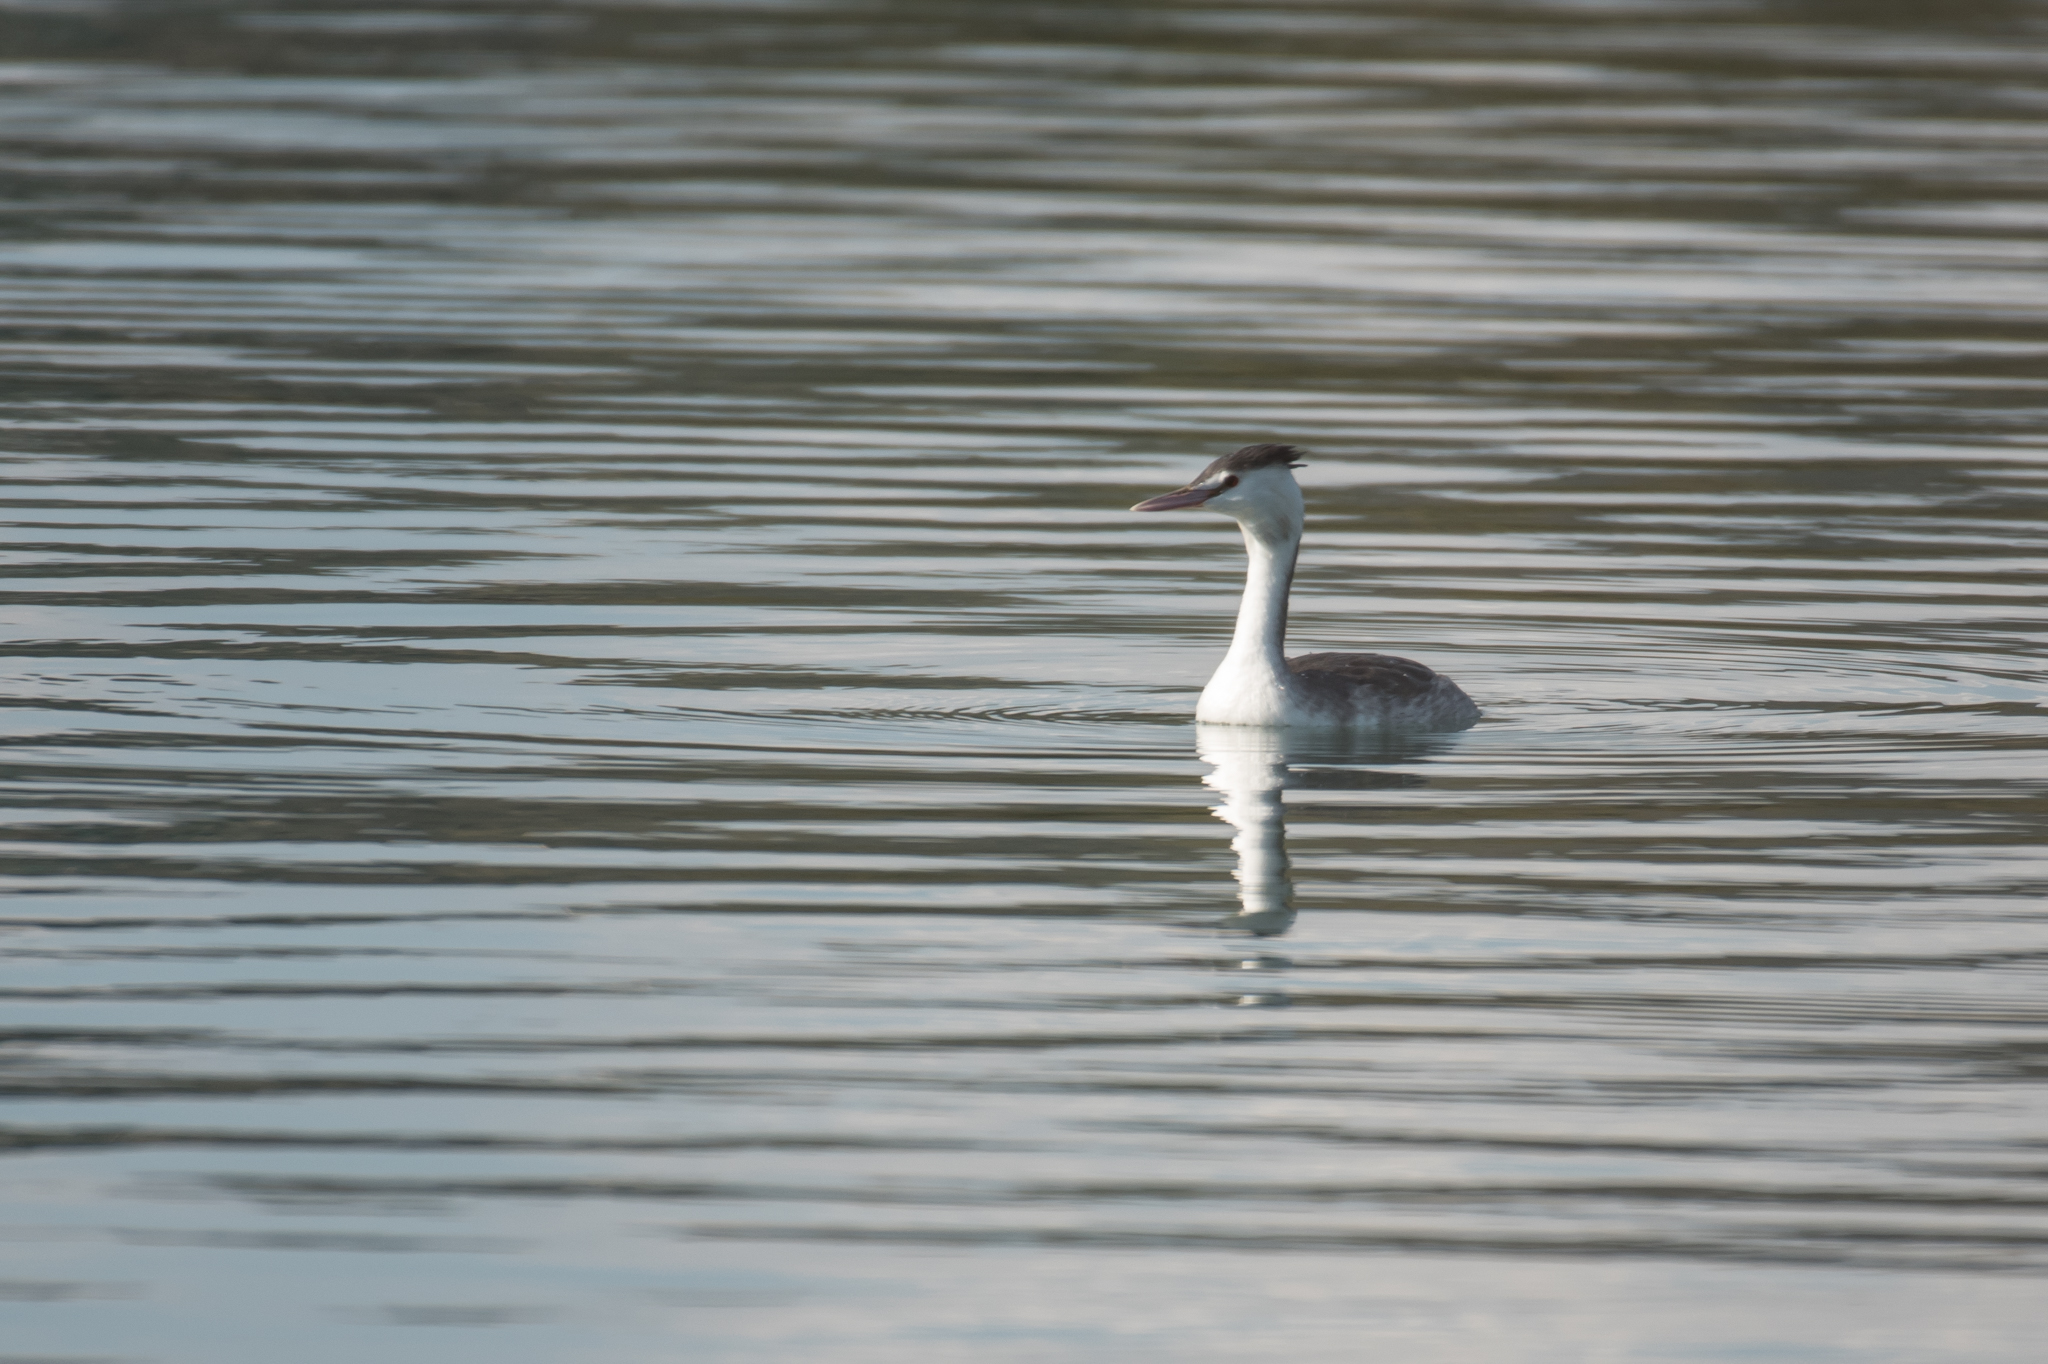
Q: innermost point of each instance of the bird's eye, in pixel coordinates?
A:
(1230, 481)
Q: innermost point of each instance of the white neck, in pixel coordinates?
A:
(1261, 634)
(1250, 687)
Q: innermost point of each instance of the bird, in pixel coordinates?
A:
(1256, 684)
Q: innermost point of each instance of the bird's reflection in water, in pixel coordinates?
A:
(1252, 766)
(1250, 770)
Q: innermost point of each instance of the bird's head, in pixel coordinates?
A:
(1253, 486)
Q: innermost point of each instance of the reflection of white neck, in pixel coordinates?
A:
(1250, 687)
(1251, 771)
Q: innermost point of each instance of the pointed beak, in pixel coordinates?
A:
(1178, 498)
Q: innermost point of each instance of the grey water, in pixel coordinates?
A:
(596, 770)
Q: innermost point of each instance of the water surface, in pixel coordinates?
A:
(598, 771)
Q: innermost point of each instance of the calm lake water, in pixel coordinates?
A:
(598, 772)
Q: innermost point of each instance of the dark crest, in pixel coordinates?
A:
(1249, 458)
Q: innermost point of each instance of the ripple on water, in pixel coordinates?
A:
(578, 673)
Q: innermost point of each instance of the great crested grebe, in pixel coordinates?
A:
(1256, 683)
